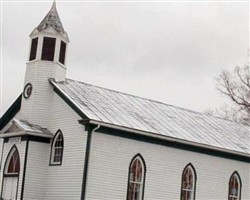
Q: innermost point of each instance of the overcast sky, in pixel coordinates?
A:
(166, 51)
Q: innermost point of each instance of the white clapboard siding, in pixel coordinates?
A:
(109, 164)
(36, 109)
(65, 182)
(36, 170)
(21, 149)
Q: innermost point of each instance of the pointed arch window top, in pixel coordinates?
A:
(57, 149)
(136, 179)
(188, 183)
(13, 162)
(234, 187)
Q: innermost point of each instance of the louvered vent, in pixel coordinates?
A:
(33, 49)
(62, 52)
(48, 50)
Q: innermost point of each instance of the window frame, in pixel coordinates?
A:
(52, 154)
(62, 52)
(8, 160)
(33, 49)
(143, 178)
(193, 190)
(235, 174)
(48, 49)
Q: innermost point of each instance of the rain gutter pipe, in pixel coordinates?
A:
(86, 162)
(166, 138)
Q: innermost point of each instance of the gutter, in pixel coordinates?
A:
(166, 138)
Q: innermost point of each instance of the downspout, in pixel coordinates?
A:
(86, 162)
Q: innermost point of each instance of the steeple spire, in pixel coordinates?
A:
(52, 20)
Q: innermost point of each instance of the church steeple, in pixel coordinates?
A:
(47, 59)
(49, 39)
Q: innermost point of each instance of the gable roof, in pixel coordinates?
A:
(124, 110)
(20, 127)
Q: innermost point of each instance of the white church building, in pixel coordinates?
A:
(68, 140)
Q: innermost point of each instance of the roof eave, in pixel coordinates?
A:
(22, 133)
(167, 138)
(11, 112)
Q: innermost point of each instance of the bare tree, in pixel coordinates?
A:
(236, 86)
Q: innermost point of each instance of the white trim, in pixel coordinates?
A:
(20, 133)
(7, 162)
(137, 183)
(52, 162)
(238, 189)
(191, 191)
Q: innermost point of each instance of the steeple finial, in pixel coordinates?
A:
(53, 5)
(52, 19)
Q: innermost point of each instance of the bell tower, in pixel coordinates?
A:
(46, 59)
(49, 42)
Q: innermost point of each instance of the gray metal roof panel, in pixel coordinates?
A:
(134, 112)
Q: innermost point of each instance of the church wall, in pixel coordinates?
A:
(36, 170)
(21, 146)
(64, 182)
(111, 156)
(36, 108)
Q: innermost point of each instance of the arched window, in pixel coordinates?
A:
(234, 192)
(188, 183)
(137, 171)
(13, 162)
(11, 175)
(57, 149)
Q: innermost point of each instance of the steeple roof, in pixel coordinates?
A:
(52, 19)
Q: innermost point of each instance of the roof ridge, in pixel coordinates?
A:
(159, 102)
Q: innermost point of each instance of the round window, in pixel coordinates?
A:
(27, 90)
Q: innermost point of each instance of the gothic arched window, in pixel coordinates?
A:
(57, 149)
(13, 162)
(11, 175)
(188, 183)
(137, 170)
(234, 192)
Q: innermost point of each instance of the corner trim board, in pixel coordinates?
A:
(24, 168)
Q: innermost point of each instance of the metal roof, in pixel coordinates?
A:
(134, 112)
